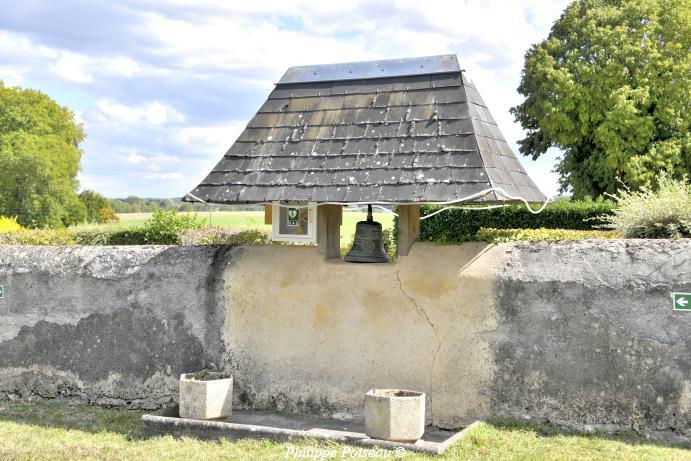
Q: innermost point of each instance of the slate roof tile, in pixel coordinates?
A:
(399, 138)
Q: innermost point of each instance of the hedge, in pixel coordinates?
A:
(222, 236)
(59, 237)
(460, 225)
(534, 235)
(115, 237)
(38, 237)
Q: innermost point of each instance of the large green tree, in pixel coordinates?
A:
(39, 159)
(611, 88)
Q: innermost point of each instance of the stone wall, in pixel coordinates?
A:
(576, 332)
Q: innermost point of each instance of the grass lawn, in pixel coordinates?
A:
(79, 432)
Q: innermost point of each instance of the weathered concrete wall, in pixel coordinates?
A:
(575, 332)
(587, 333)
(110, 325)
(308, 335)
(578, 332)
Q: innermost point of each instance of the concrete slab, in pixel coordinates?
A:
(268, 425)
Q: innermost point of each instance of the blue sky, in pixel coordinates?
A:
(163, 87)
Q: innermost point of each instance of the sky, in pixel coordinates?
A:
(164, 87)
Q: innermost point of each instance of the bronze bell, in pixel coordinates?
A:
(368, 246)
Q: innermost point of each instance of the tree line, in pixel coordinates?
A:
(134, 204)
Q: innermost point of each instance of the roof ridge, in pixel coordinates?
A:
(423, 65)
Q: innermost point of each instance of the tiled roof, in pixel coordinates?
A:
(421, 137)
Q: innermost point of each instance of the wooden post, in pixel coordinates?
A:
(329, 219)
(408, 227)
(268, 214)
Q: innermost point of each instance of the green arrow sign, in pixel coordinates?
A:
(682, 301)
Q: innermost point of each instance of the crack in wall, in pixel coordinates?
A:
(423, 314)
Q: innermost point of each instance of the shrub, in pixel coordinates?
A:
(460, 225)
(389, 243)
(513, 235)
(38, 237)
(93, 236)
(221, 236)
(128, 237)
(9, 224)
(164, 227)
(664, 213)
(107, 216)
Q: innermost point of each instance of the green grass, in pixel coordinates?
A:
(245, 220)
(77, 432)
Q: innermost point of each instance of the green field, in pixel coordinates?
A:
(52, 431)
(254, 220)
(229, 219)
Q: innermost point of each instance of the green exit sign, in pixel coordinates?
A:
(682, 301)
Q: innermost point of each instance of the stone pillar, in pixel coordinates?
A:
(329, 219)
(408, 227)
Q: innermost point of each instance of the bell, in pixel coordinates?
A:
(368, 246)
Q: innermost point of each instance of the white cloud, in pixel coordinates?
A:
(155, 113)
(70, 66)
(99, 183)
(158, 114)
(214, 138)
(10, 76)
(259, 44)
(121, 65)
(17, 46)
(164, 176)
(153, 163)
(118, 112)
(135, 159)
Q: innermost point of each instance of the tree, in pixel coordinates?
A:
(94, 202)
(39, 160)
(106, 216)
(611, 86)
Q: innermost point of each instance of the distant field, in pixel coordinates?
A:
(255, 220)
(230, 219)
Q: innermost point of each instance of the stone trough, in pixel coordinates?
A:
(268, 425)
